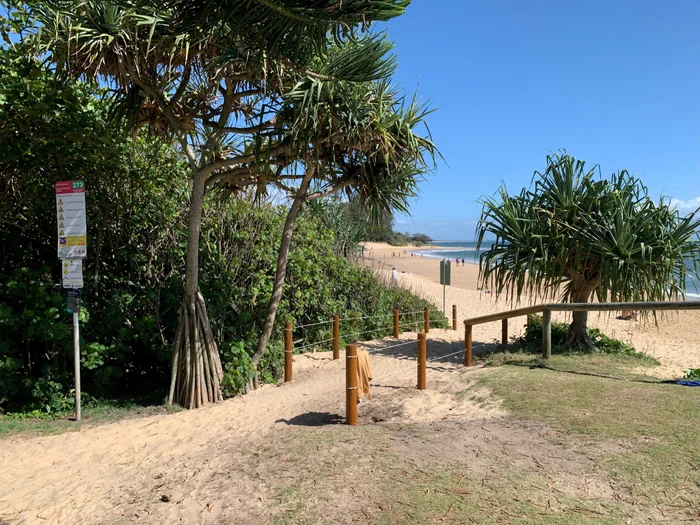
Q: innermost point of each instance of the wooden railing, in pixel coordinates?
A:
(547, 310)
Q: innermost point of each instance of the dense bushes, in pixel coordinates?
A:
(136, 193)
(532, 340)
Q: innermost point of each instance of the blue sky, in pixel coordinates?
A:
(615, 82)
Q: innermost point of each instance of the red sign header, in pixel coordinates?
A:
(70, 186)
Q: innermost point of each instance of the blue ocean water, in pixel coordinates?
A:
(467, 250)
(453, 249)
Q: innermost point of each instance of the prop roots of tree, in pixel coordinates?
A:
(196, 367)
(578, 334)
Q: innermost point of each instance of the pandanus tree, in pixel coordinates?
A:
(578, 236)
(366, 145)
(212, 75)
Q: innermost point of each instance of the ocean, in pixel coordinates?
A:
(467, 250)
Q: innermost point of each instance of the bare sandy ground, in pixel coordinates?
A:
(203, 460)
(674, 341)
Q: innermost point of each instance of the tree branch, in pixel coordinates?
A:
(167, 111)
(342, 182)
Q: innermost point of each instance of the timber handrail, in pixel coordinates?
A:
(547, 309)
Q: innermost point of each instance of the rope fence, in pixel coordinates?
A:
(290, 347)
(351, 355)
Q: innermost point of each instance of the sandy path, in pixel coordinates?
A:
(201, 459)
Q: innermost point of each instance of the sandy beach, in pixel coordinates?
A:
(674, 342)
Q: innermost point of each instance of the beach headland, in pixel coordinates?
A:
(674, 342)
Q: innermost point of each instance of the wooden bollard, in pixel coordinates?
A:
(504, 331)
(468, 345)
(396, 324)
(351, 384)
(288, 352)
(546, 334)
(422, 360)
(454, 317)
(336, 337)
(426, 320)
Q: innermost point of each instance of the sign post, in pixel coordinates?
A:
(72, 249)
(445, 278)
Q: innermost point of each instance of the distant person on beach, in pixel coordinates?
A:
(394, 275)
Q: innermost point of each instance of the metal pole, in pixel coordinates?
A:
(76, 363)
(396, 324)
(351, 384)
(422, 360)
(444, 299)
(336, 337)
(468, 345)
(454, 317)
(546, 334)
(288, 352)
(426, 320)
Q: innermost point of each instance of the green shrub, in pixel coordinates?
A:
(532, 340)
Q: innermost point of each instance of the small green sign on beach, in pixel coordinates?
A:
(445, 272)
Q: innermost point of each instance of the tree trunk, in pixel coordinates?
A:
(578, 334)
(196, 365)
(281, 272)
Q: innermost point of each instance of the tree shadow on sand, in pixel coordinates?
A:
(314, 419)
(439, 351)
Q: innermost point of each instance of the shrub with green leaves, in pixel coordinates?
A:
(532, 340)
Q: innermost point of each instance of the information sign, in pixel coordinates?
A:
(72, 273)
(71, 221)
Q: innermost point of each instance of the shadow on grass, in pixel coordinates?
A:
(314, 419)
(591, 374)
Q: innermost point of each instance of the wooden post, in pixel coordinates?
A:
(396, 324)
(288, 352)
(351, 384)
(422, 360)
(454, 317)
(468, 345)
(546, 334)
(426, 320)
(504, 331)
(336, 337)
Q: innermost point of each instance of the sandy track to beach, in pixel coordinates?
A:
(204, 460)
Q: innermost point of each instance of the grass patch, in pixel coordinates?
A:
(577, 449)
(95, 412)
(655, 426)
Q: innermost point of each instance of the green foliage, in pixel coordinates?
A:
(532, 340)
(692, 373)
(585, 236)
(136, 244)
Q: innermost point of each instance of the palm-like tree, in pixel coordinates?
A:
(366, 144)
(212, 75)
(580, 237)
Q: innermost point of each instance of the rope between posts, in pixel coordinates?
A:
(368, 331)
(365, 317)
(413, 366)
(411, 313)
(314, 324)
(312, 344)
(392, 346)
